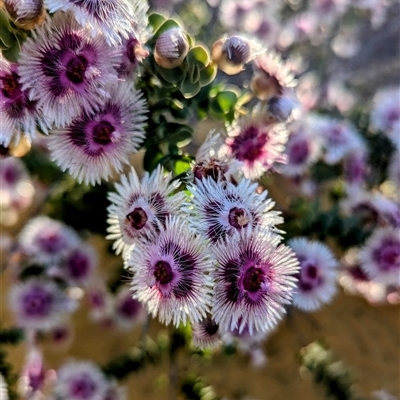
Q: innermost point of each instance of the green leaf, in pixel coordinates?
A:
(189, 89)
(182, 166)
(151, 158)
(198, 55)
(12, 54)
(173, 75)
(208, 74)
(4, 20)
(175, 133)
(226, 100)
(6, 37)
(156, 20)
(194, 73)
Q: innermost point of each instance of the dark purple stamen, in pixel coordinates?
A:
(163, 272)
(137, 218)
(102, 133)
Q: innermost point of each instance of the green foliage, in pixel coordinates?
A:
(335, 376)
(194, 388)
(11, 38)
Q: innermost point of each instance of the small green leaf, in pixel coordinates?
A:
(156, 20)
(4, 20)
(226, 100)
(194, 73)
(208, 74)
(173, 75)
(182, 166)
(189, 89)
(12, 54)
(198, 55)
(6, 37)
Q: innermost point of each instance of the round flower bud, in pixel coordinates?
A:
(231, 54)
(171, 48)
(26, 14)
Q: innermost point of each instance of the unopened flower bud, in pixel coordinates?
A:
(171, 48)
(265, 86)
(231, 54)
(26, 14)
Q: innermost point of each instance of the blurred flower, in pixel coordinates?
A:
(65, 69)
(39, 304)
(33, 374)
(339, 138)
(273, 82)
(302, 149)
(206, 334)
(171, 274)
(254, 280)
(171, 48)
(385, 114)
(102, 141)
(18, 112)
(219, 209)
(256, 144)
(138, 207)
(46, 240)
(78, 265)
(80, 381)
(3, 388)
(356, 167)
(380, 256)
(111, 18)
(317, 276)
(128, 312)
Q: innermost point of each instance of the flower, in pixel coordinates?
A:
(339, 138)
(206, 334)
(18, 113)
(211, 162)
(138, 207)
(257, 144)
(385, 113)
(102, 141)
(26, 14)
(128, 312)
(65, 70)
(356, 167)
(272, 78)
(380, 256)
(171, 274)
(317, 275)
(254, 280)
(39, 304)
(232, 53)
(80, 381)
(218, 209)
(78, 264)
(171, 48)
(302, 149)
(46, 240)
(33, 374)
(112, 18)
(394, 168)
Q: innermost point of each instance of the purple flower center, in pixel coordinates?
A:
(131, 50)
(11, 86)
(37, 302)
(248, 146)
(82, 387)
(11, 175)
(51, 243)
(392, 117)
(211, 327)
(253, 278)
(309, 276)
(210, 169)
(76, 69)
(388, 256)
(238, 218)
(163, 272)
(102, 133)
(298, 152)
(129, 307)
(78, 264)
(137, 218)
